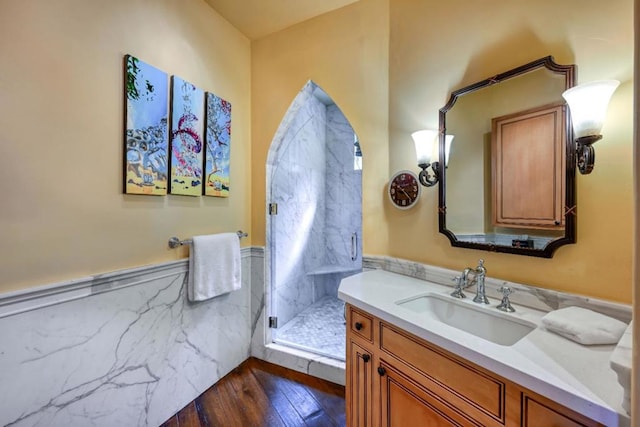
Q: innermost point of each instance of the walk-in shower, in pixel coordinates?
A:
(314, 226)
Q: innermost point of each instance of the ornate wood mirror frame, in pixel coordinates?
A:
(547, 241)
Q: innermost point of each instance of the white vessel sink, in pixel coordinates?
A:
(485, 322)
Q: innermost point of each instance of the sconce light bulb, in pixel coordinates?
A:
(588, 105)
(424, 141)
(447, 149)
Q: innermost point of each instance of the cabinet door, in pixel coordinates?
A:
(404, 402)
(528, 169)
(540, 411)
(359, 386)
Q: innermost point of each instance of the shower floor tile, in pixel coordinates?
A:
(320, 329)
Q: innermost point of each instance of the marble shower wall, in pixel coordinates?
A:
(122, 349)
(343, 191)
(343, 215)
(298, 187)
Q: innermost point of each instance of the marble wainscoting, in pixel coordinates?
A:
(119, 349)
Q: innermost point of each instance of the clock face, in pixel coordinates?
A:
(404, 189)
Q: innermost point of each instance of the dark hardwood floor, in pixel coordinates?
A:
(258, 393)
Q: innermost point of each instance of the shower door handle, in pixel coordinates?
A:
(354, 246)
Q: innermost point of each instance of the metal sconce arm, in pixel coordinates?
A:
(585, 153)
(424, 177)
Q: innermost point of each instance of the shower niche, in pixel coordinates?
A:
(314, 223)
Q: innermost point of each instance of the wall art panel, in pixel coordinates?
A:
(146, 115)
(218, 146)
(187, 142)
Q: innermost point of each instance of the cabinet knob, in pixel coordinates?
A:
(358, 326)
(366, 358)
(381, 371)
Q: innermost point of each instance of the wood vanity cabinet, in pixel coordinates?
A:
(360, 372)
(397, 379)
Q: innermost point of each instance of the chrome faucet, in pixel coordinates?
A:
(478, 275)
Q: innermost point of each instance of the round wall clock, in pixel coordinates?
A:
(404, 189)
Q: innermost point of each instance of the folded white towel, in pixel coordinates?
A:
(214, 266)
(584, 326)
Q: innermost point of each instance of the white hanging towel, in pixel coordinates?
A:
(214, 266)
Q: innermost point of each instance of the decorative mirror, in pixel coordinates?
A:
(509, 184)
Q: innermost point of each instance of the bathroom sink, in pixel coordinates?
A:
(482, 321)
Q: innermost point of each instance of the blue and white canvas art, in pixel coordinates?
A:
(187, 142)
(218, 146)
(146, 136)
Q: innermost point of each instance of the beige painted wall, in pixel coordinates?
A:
(437, 47)
(635, 377)
(63, 214)
(346, 53)
(388, 64)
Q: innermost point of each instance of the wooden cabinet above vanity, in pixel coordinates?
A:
(528, 158)
(395, 378)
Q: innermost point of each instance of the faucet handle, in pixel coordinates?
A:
(457, 293)
(505, 304)
(506, 291)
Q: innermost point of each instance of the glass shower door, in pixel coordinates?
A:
(315, 225)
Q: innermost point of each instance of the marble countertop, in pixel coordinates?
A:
(621, 363)
(576, 376)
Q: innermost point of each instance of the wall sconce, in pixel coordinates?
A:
(588, 105)
(427, 143)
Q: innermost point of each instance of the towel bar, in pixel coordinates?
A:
(174, 242)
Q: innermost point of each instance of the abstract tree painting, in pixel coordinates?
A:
(218, 146)
(187, 142)
(146, 115)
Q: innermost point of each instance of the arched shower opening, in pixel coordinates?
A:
(314, 223)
